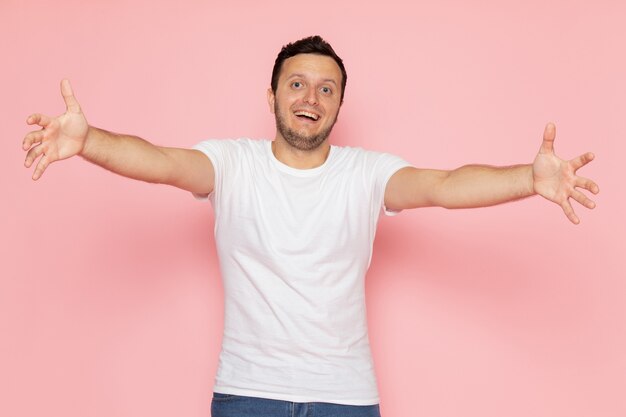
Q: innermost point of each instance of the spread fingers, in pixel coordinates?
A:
(32, 138)
(33, 154)
(587, 184)
(583, 199)
(39, 119)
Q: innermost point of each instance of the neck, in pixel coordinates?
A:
(297, 158)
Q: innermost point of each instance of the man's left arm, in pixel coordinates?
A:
(481, 185)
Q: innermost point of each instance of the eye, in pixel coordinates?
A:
(296, 84)
(326, 90)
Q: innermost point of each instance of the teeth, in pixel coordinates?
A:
(307, 114)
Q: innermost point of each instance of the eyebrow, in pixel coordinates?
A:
(329, 80)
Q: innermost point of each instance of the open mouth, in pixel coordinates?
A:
(305, 115)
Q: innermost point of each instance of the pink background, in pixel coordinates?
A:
(110, 298)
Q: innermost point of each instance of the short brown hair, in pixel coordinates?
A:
(311, 45)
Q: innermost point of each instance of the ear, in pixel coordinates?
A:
(271, 99)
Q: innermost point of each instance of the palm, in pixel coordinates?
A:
(555, 179)
(66, 134)
(60, 137)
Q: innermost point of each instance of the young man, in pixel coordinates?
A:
(294, 227)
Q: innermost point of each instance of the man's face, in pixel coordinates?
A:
(307, 100)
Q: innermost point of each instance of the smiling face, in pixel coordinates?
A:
(307, 100)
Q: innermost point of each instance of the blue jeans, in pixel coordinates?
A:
(228, 405)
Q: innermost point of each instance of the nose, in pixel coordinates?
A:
(310, 96)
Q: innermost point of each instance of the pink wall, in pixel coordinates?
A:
(110, 298)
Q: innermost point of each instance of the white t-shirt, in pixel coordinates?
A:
(294, 246)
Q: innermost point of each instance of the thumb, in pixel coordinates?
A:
(68, 95)
(547, 146)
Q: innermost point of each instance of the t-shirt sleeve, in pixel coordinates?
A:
(214, 150)
(385, 166)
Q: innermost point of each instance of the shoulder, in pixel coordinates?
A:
(229, 153)
(243, 144)
(365, 157)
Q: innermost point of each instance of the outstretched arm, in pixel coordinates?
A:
(480, 185)
(69, 134)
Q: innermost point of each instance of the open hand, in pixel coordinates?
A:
(556, 179)
(61, 137)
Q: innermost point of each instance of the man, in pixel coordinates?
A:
(295, 223)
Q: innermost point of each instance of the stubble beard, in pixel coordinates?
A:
(297, 140)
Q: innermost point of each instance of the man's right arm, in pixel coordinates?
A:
(139, 159)
(69, 134)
